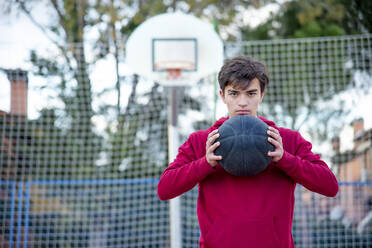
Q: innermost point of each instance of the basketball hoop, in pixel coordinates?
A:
(174, 68)
(174, 73)
(174, 49)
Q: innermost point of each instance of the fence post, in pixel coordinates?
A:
(19, 214)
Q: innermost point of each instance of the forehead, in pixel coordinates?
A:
(246, 86)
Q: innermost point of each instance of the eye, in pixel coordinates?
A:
(233, 93)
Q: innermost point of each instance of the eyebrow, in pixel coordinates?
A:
(249, 91)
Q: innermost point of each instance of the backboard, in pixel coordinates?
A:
(174, 49)
(174, 53)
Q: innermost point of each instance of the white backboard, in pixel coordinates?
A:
(176, 37)
(174, 53)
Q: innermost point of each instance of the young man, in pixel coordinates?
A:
(254, 211)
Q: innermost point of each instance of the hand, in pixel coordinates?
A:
(276, 140)
(211, 146)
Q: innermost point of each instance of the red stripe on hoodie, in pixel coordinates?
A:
(254, 211)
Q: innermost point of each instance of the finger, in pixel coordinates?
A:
(212, 133)
(274, 135)
(213, 147)
(215, 157)
(276, 143)
(213, 138)
(274, 153)
(274, 129)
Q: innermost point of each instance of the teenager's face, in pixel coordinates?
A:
(243, 101)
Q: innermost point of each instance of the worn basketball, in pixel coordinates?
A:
(244, 145)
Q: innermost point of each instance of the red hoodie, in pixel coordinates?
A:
(254, 211)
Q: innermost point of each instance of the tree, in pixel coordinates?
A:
(358, 16)
(127, 151)
(314, 18)
(302, 72)
(71, 22)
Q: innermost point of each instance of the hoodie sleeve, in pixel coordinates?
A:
(307, 169)
(184, 172)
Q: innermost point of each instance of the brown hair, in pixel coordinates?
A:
(240, 71)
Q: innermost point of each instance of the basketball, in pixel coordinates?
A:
(244, 145)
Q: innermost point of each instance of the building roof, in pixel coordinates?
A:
(362, 142)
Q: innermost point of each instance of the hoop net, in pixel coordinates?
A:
(174, 73)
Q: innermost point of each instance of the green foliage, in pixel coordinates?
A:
(138, 144)
(130, 135)
(40, 149)
(298, 67)
(358, 16)
(300, 79)
(114, 21)
(54, 147)
(314, 18)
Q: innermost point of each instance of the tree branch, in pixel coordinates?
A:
(44, 31)
(59, 13)
(33, 20)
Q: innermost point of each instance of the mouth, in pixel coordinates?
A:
(243, 112)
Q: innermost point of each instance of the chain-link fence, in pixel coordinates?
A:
(83, 170)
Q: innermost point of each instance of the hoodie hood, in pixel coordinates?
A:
(269, 123)
(220, 121)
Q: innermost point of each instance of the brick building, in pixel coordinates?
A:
(355, 167)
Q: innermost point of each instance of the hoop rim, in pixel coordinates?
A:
(182, 65)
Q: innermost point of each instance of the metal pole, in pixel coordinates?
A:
(173, 143)
(19, 214)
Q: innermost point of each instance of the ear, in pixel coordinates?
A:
(222, 96)
(262, 95)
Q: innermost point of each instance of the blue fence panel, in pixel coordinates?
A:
(10, 191)
(128, 213)
(111, 213)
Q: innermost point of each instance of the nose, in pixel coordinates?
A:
(243, 100)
